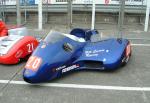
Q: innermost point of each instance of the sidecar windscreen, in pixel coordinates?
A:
(55, 36)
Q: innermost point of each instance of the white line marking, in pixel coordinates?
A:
(140, 44)
(81, 86)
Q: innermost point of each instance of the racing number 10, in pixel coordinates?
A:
(33, 63)
(30, 47)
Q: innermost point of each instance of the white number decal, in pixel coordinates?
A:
(36, 63)
(33, 63)
(30, 47)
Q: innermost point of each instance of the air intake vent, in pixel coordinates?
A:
(93, 64)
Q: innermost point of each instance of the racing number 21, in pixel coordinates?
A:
(33, 63)
(30, 47)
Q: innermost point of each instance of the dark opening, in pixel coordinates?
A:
(93, 64)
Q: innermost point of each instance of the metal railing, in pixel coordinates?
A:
(138, 9)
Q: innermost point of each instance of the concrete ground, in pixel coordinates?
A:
(135, 74)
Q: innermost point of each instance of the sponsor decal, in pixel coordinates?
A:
(107, 2)
(59, 68)
(19, 53)
(95, 53)
(46, 1)
(69, 68)
(91, 55)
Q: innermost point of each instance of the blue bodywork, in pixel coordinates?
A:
(56, 60)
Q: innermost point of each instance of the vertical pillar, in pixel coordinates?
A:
(1, 10)
(18, 12)
(147, 16)
(3, 4)
(121, 18)
(40, 15)
(25, 11)
(93, 15)
(70, 13)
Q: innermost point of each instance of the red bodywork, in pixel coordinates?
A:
(20, 50)
(3, 29)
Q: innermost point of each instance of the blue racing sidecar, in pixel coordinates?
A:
(60, 53)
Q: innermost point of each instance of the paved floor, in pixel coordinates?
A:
(135, 74)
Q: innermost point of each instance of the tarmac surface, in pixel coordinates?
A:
(135, 74)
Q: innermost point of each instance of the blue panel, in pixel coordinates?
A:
(29, 2)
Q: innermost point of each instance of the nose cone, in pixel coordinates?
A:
(29, 76)
(38, 70)
(38, 77)
(43, 75)
(31, 69)
(41, 66)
